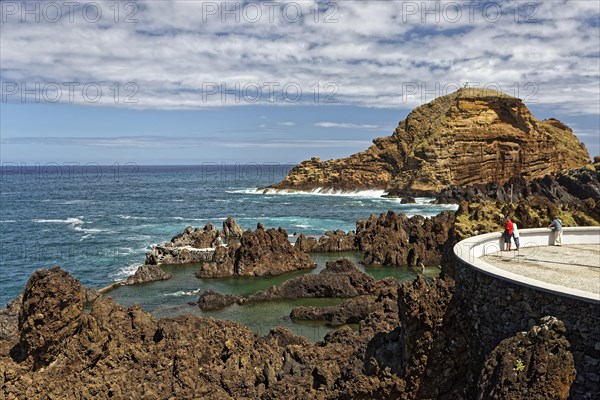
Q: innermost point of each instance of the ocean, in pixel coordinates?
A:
(97, 222)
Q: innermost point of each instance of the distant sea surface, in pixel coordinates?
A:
(97, 222)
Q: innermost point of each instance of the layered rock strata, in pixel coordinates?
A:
(471, 136)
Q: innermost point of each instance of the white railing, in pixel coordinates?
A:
(470, 250)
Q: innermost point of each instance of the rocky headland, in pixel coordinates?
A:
(471, 136)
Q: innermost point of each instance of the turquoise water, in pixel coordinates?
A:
(97, 222)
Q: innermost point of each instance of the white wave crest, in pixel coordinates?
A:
(183, 293)
(74, 221)
(314, 192)
(124, 272)
(131, 217)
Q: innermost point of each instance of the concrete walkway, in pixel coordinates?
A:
(571, 266)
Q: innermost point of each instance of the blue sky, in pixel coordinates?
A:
(188, 82)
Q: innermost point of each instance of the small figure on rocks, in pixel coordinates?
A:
(508, 234)
(557, 228)
(515, 235)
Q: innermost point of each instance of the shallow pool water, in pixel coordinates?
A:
(172, 297)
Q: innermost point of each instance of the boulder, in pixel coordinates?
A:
(147, 273)
(210, 300)
(231, 228)
(530, 365)
(51, 313)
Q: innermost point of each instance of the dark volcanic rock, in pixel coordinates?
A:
(210, 300)
(198, 238)
(332, 241)
(222, 263)
(48, 317)
(268, 252)
(231, 228)
(535, 365)
(354, 310)
(339, 279)
(117, 352)
(265, 252)
(393, 239)
(573, 187)
(147, 273)
(350, 311)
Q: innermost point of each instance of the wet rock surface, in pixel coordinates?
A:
(210, 300)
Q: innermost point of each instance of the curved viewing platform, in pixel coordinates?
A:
(571, 270)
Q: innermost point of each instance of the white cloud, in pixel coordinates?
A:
(366, 58)
(346, 125)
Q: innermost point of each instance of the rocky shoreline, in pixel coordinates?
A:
(418, 339)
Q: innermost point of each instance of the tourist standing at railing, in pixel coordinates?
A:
(515, 235)
(557, 227)
(508, 234)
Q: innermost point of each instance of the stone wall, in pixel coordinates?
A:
(498, 308)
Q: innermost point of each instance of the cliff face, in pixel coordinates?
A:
(468, 137)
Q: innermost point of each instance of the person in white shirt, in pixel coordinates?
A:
(515, 235)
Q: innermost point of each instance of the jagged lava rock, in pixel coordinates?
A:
(264, 252)
(535, 365)
(467, 137)
(231, 228)
(356, 309)
(395, 239)
(339, 279)
(210, 300)
(269, 252)
(115, 352)
(51, 312)
(331, 241)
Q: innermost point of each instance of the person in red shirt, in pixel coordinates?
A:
(508, 231)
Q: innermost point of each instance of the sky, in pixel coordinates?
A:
(187, 82)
